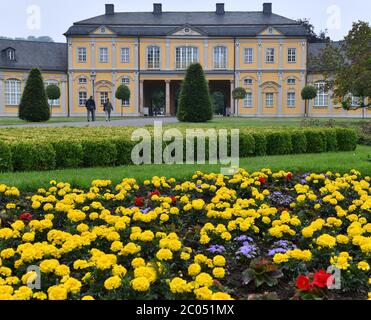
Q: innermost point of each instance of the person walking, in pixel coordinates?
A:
(108, 108)
(90, 107)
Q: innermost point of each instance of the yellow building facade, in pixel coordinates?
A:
(149, 52)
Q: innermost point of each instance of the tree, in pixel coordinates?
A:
(195, 101)
(238, 94)
(218, 102)
(308, 93)
(34, 103)
(348, 67)
(53, 93)
(158, 100)
(122, 93)
(312, 35)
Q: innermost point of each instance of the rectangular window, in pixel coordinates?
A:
(83, 97)
(249, 55)
(291, 81)
(291, 99)
(83, 80)
(322, 96)
(103, 55)
(153, 57)
(291, 55)
(269, 100)
(125, 55)
(81, 55)
(269, 55)
(185, 56)
(103, 97)
(12, 92)
(220, 57)
(126, 103)
(52, 102)
(247, 102)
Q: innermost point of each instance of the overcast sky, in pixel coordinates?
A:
(19, 18)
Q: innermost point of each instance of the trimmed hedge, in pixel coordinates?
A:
(98, 151)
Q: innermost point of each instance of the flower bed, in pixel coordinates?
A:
(38, 149)
(251, 236)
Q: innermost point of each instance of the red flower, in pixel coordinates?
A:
(289, 176)
(320, 279)
(262, 180)
(139, 201)
(173, 199)
(155, 193)
(26, 216)
(303, 283)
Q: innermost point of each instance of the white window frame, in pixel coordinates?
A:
(126, 103)
(248, 55)
(270, 55)
(355, 101)
(103, 97)
(220, 57)
(125, 55)
(11, 54)
(292, 80)
(103, 55)
(83, 80)
(322, 96)
(13, 92)
(248, 101)
(153, 57)
(82, 55)
(53, 102)
(248, 81)
(291, 99)
(83, 97)
(125, 80)
(269, 99)
(291, 55)
(185, 56)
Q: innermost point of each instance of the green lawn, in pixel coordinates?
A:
(336, 162)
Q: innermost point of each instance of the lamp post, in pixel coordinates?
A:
(93, 77)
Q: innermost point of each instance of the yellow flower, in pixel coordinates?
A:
(138, 262)
(58, 292)
(326, 240)
(219, 273)
(203, 293)
(112, 283)
(219, 261)
(164, 254)
(87, 298)
(179, 285)
(221, 296)
(363, 265)
(204, 280)
(140, 284)
(194, 269)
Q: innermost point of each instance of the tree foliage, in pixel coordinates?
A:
(123, 93)
(34, 103)
(309, 93)
(195, 101)
(312, 35)
(53, 92)
(239, 93)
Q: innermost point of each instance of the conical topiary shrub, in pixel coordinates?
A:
(34, 103)
(195, 101)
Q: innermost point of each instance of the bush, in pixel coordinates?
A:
(247, 145)
(331, 140)
(316, 141)
(278, 143)
(99, 153)
(34, 105)
(68, 154)
(194, 100)
(123, 148)
(260, 144)
(31, 156)
(298, 142)
(5, 157)
(347, 139)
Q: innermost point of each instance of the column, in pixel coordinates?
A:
(206, 54)
(168, 112)
(113, 54)
(233, 109)
(260, 64)
(279, 104)
(280, 56)
(136, 91)
(70, 54)
(301, 88)
(64, 97)
(141, 97)
(92, 51)
(113, 93)
(70, 92)
(136, 55)
(167, 54)
(260, 102)
(303, 55)
(2, 90)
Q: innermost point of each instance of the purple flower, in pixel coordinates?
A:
(281, 246)
(243, 238)
(216, 249)
(276, 250)
(145, 211)
(248, 250)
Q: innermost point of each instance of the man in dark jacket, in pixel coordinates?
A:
(108, 108)
(90, 107)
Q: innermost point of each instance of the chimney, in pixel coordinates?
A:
(110, 9)
(157, 8)
(220, 9)
(267, 8)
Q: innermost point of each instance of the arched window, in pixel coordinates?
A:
(220, 57)
(83, 80)
(13, 92)
(125, 80)
(153, 57)
(291, 81)
(248, 81)
(52, 102)
(185, 56)
(322, 95)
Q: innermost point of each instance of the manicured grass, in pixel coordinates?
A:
(341, 162)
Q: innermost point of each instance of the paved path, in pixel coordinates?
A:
(137, 122)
